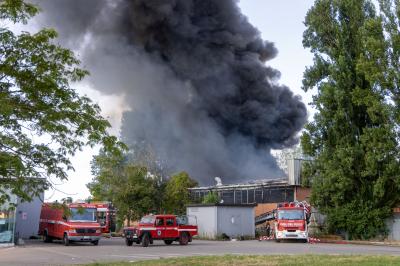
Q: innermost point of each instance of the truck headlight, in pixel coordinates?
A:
(98, 231)
(73, 231)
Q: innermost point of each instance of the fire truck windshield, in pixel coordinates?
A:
(290, 214)
(83, 214)
(147, 220)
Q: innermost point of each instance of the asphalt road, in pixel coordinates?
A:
(39, 253)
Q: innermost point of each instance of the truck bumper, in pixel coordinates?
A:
(291, 235)
(84, 238)
(132, 237)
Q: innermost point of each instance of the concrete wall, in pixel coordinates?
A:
(27, 217)
(215, 220)
(235, 221)
(206, 220)
(393, 225)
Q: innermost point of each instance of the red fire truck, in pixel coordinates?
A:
(288, 221)
(291, 221)
(105, 213)
(169, 228)
(70, 223)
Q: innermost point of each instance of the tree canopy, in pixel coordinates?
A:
(131, 188)
(354, 135)
(177, 195)
(43, 121)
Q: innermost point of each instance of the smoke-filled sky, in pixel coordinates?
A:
(191, 78)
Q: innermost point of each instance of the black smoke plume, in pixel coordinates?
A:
(193, 74)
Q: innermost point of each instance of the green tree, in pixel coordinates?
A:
(390, 10)
(356, 172)
(211, 198)
(129, 187)
(43, 121)
(177, 194)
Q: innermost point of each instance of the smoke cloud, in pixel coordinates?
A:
(193, 74)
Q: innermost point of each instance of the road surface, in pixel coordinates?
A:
(36, 252)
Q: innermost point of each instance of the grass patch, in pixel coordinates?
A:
(228, 260)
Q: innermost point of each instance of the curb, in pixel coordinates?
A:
(366, 243)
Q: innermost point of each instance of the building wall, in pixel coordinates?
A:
(264, 207)
(393, 226)
(7, 222)
(27, 217)
(244, 195)
(235, 221)
(206, 220)
(302, 193)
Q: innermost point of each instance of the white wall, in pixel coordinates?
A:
(236, 221)
(393, 225)
(206, 220)
(27, 217)
(214, 221)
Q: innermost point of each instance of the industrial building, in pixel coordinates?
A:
(264, 193)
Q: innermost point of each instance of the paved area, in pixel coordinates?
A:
(39, 253)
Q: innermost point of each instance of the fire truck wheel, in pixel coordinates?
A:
(145, 240)
(95, 242)
(66, 240)
(128, 242)
(46, 237)
(184, 239)
(168, 242)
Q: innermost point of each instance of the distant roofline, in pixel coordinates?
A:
(221, 205)
(268, 183)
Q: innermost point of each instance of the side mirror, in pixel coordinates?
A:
(64, 217)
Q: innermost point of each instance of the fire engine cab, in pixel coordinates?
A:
(70, 223)
(169, 228)
(291, 221)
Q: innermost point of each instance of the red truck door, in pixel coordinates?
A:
(160, 228)
(171, 230)
(59, 227)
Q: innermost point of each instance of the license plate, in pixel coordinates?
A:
(86, 237)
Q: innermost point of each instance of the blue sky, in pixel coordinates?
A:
(280, 22)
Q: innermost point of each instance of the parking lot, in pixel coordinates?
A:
(36, 252)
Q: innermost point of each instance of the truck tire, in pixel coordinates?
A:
(128, 242)
(46, 237)
(184, 238)
(145, 240)
(65, 240)
(168, 242)
(95, 243)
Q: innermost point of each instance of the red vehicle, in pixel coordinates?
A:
(291, 221)
(76, 224)
(105, 215)
(169, 228)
